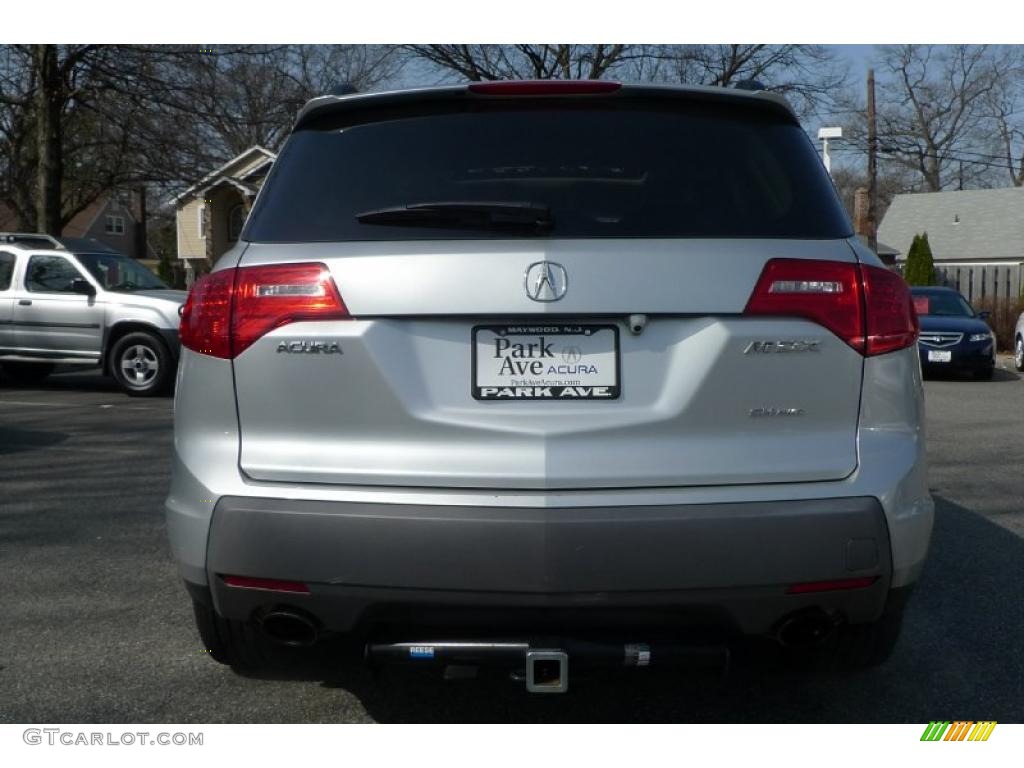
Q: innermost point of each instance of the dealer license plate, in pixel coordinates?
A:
(545, 362)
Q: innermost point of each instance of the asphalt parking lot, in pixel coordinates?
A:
(95, 626)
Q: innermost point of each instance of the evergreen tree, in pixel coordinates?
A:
(920, 269)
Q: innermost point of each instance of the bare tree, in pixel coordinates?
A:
(933, 108)
(79, 120)
(810, 76)
(17, 135)
(526, 62)
(61, 149)
(1005, 107)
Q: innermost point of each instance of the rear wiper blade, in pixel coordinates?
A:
(462, 215)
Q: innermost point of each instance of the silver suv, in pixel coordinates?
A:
(91, 307)
(544, 373)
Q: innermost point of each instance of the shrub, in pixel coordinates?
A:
(1003, 319)
(920, 269)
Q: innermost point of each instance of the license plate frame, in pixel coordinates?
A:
(940, 356)
(542, 333)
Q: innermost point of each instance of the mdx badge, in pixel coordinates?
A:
(782, 345)
(309, 348)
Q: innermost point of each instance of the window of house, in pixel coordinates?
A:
(115, 225)
(236, 220)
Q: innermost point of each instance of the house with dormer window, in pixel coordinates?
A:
(210, 214)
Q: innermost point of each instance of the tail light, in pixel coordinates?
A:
(230, 309)
(206, 317)
(892, 321)
(544, 87)
(867, 307)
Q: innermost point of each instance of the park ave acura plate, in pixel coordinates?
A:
(545, 362)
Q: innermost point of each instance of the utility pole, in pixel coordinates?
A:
(50, 161)
(872, 166)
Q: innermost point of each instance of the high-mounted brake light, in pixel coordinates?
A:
(543, 87)
(867, 307)
(228, 310)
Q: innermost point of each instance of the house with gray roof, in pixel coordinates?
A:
(976, 236)
(210, 214)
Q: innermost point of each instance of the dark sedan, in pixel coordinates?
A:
(953, 336)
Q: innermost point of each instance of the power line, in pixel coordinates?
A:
(994, 161)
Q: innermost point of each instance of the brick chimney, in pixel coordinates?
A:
(860, 211)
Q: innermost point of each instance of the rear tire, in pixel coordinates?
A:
(238, 644)
(1018, 353)
(141, 364)
(28, 373)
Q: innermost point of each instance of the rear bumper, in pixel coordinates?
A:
(408, 551)
(730, 563)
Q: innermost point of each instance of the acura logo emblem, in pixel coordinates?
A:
(546, 281)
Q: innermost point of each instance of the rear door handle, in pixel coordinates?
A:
(25, 302)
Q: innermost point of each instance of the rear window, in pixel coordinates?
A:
(686, 170)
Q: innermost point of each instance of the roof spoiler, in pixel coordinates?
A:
(331, 104)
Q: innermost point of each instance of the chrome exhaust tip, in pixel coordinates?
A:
(805, 629)
(289, 628)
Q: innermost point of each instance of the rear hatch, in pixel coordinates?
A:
(548, 293)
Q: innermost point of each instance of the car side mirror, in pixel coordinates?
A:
(984, 314)
(83, 286)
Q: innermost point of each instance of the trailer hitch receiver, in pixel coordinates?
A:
(547, 671)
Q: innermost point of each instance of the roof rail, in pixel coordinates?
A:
(30, 239)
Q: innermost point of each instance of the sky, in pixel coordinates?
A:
(859, 56)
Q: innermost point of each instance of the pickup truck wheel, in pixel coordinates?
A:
(141, 364)
(28, 373)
